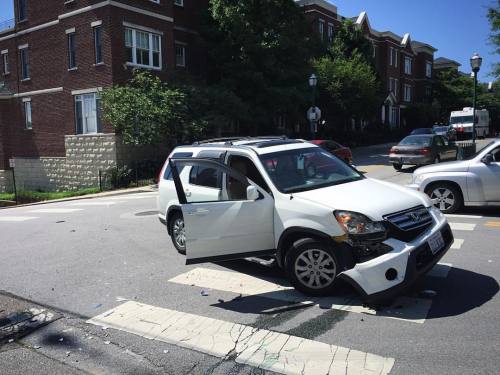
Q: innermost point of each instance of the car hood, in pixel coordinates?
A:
(369, 197)
(452, 166)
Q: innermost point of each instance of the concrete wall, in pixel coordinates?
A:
(6, 181)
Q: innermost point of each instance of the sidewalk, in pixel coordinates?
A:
(142, 189)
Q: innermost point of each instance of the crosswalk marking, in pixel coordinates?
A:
(440, 270)
(16, 219)
(267, 350)
(410, 309)
(462, 226)
(463, 216)
(56, 210)
(457, 244)
(94, 203)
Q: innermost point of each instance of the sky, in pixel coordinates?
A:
(457, 28)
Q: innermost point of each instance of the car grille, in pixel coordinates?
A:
(408, 224)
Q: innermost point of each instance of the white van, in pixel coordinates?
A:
(318, 216)
(461, 122)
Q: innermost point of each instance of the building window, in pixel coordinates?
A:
(71, 51)
(143, 48)
(27, 115)
(393, 58)
(5, 60)
(179, 3)
(428, 69)
(98, 44)
(408, 65)
(88, 113)
(21, 8)
(180, 55)
(330, 32)
(25, 63)
(393, 116)
(393, 86)
(407, 93)
(321, 28)
(428, 91)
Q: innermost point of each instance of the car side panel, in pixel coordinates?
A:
(459, 178)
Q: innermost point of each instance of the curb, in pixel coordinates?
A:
(144, 189)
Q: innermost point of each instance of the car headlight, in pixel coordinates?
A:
(355, 223)
(417, 179)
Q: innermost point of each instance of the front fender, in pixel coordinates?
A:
(459, 178)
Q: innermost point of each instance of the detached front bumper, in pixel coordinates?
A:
(391, 273)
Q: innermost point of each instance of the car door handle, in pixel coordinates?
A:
(199, 211)
(187, 192)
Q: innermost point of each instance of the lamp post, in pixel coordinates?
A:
(475, 63)
(313, 81)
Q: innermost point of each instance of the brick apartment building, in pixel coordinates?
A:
(58, 55)
(56, 58)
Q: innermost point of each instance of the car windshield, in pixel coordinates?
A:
(304, 169)
(460, 119)
(441, 129)
(416, 140)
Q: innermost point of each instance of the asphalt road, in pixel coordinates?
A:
(110, 259)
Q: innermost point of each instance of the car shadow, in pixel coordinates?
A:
(481, 211)
(461, 291)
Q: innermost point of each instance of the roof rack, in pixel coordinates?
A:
(222, 139)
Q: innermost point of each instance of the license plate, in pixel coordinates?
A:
(436, 242)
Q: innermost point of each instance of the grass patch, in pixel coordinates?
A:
(37, 196)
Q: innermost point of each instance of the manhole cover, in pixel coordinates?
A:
(147, 213)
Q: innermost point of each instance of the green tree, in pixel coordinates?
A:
(452, 91)
(260, 51)
(146, 110)
(494, 18)
(349, 85)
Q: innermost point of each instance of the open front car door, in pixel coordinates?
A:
(238, 223)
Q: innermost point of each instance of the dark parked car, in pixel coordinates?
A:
(335, 148)
(445, 131)
(419, 131)
(422, 150)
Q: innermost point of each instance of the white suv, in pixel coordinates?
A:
(319, 217)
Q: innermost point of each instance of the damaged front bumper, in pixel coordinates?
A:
(393, 272)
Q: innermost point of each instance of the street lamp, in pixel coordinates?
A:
(475, 63)
(313, 81)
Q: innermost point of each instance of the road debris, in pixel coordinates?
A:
(204, 293)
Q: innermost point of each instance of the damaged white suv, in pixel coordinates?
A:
(319, 217)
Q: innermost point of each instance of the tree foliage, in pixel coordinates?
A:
(494, 18)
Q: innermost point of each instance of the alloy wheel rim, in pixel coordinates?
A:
(443, 198)
(179, 233)
(315, 268)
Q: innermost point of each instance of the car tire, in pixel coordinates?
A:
(312, 267)
(448, 197)
(177, 232)
(397, 166)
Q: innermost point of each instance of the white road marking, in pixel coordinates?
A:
(56, 210)
(457, 244)
(267, 350)
(410, 309)
(16, 218)
(463, 216)
(94, 203)
(132, 197)
(440, 270)
(462, 226)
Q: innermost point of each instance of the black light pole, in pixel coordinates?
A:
(475, 63)
(313, 81)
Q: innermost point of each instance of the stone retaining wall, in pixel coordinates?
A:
(6, 185)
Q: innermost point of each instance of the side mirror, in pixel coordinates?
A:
(252, 193)
(487, 159)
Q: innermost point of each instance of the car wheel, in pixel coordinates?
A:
(311, 267)
(178, 232)
(397, 166)
(448, 198)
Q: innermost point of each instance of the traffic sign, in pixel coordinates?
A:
(313, 114)
(12, 163)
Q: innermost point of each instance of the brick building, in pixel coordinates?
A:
(57, 55)
(55, 59)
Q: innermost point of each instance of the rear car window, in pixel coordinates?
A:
(205, 176)
(178, 155)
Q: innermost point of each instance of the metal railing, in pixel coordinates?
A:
(7, 24)
(465, 149)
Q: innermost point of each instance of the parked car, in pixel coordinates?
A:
(445, 131)
(422, 150)
(420, 131)
(472, 182)
(320, 218)
(335, 148)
